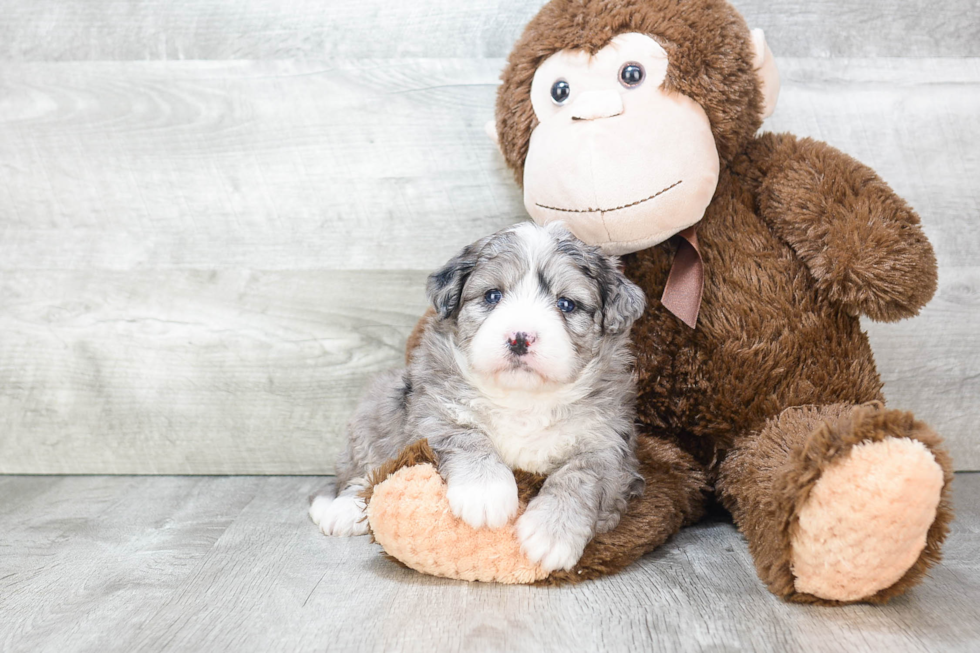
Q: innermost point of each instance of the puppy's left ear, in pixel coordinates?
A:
(624, 301)
(445, 286)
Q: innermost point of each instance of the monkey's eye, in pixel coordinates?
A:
(631, 74)
(560, 91)
(565, 305)
(492, 296)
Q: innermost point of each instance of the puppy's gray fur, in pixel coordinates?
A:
(473, 426)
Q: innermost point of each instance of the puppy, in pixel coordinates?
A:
(526, 366)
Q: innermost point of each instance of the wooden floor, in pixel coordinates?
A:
(233, 564)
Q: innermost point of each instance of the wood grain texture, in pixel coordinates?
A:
(379, 165)
(236, 372)
(137, 197)
(268, 165)
(220, 372)
(931, 364)
(69, 30)
(185, 563)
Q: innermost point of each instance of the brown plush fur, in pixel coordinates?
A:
(767, 479)
(415, 337)
(798, 241)
(706, 42)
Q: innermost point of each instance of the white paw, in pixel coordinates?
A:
(544, 541)
(491, 503)
(343, 516)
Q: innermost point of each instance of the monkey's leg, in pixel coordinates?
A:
(674, 496)
(409, 515)
(840, 504)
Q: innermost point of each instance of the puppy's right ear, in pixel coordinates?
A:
(445, 286)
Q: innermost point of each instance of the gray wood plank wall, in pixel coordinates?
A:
(216, 218)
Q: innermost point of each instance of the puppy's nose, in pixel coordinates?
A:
(519, 342)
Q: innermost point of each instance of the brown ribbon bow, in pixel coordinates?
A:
(682, 292)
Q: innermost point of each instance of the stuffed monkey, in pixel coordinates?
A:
(634, 122)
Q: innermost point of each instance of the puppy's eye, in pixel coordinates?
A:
(565, 305)
(492, 296)
(631, 74)
(560, 91)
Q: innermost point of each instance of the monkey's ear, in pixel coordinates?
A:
(491, 129)
(765, 67)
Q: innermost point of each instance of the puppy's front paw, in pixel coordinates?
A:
(491, 503)
(342, 516)
(547, 541)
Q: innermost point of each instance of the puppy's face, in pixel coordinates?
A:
(531, 305)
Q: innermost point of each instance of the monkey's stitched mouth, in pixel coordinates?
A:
(618, 208)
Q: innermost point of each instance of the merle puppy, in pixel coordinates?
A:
(526, 366)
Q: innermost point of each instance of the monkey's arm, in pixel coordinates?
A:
(861, 242)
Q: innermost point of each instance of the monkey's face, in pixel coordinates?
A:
(622, 162)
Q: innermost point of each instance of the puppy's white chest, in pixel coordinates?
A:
(531, 439)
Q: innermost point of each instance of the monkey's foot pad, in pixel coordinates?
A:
(865, 522)
(410, 517)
